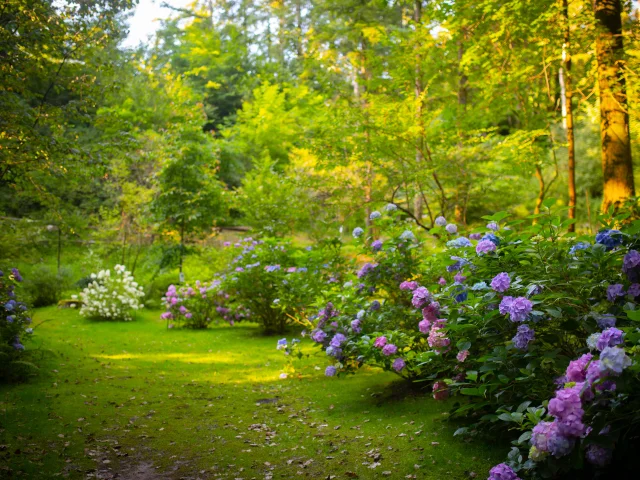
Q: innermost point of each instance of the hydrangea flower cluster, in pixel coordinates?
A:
(523, 337)
(111, 297)
(14, 319)
(501, 282)
(518, 308)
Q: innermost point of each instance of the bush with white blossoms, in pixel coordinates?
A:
(111, 295)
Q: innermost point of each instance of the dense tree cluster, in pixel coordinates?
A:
(302, 115)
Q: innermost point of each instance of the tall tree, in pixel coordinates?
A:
(617, 168)
(567, 103)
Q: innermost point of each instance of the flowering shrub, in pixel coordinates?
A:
(13, 313)
(276, 281)
(111, 297)
(14, 322)
(198, 306)
(495, 318)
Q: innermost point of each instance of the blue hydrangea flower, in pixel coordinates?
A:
(492, 238)
(375, 215)
(451, 228)
(407, 235)
(459, 242)
(609, 238)
(331, 371)
(493, 226)
(579, 246)
(357, 232)
(391, 207)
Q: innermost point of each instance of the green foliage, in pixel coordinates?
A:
(45, 286)
(278, 282)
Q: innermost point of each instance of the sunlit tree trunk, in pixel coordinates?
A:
(567, 102)
(617, 168)
(418, 88)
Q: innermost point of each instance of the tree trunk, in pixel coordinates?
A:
(418, 88)
(565, 79)
(617, 168)
(541, 191)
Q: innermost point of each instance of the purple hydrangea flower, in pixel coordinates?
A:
(420, 297)
(366, 269)
(492, 238)
(485, 246)
(337, 340)
(614, 359)
(630, 264)
(577, 369)
(451, 228)
(493, 226)
(318, 336)
(520, 309)
(380, 342)
(330, 371)
(374, 306)
(462, 355)
(376, 246)
(431, 312)
(441, 221)
(610, 338)
(505, 305)
(615, 291)
(502, 471)
(355, 325)
(634, 290)
(442, 281)
(391, 207)
(459, 278)
(398, 364)
(357, 232)
(389, 349)
(501, 282)
(523, 337)
(408, 285)
(597, 455)
(475, 236)
(17, 277)
(424, 326)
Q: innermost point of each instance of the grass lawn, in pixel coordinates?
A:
(137, 401)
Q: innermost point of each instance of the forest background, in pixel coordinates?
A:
(300, 117)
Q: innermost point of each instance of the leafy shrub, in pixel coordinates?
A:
(14, 321)
(45, 287)
(198, 306)
(496, 318)
(156, 288)
(111, 297)
(277, 282)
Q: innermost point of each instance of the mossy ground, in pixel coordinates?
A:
(135, 400)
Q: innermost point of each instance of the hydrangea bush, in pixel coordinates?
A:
(528, 327)
(276, 281)
(111, 296)
(14, 324)
(14, 318)
(198, 306)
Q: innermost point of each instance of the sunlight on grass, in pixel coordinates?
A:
(190, 401)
